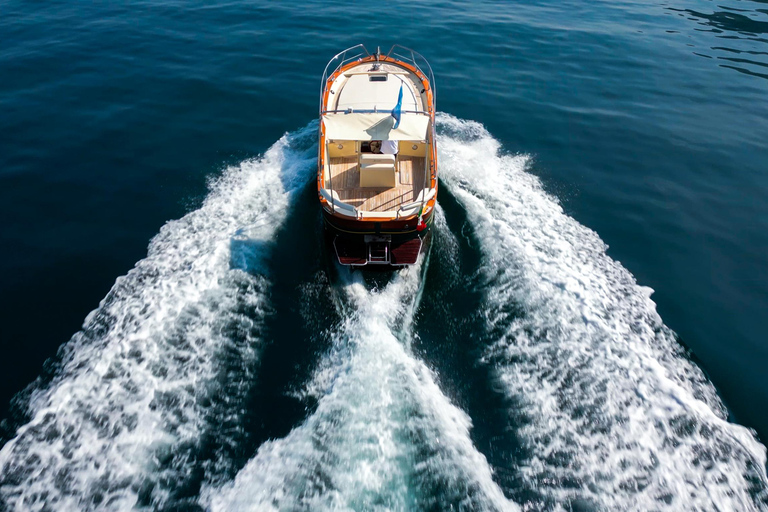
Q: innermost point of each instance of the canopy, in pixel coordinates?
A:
(378, 126)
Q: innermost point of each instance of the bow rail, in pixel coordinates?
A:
(359, 52)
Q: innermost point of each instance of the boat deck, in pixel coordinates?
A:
(345, 181)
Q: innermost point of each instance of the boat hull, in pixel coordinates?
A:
(390, 244)
(377, 202)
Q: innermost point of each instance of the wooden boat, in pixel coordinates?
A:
(377, 161)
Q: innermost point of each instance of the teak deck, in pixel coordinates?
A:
(345, 181)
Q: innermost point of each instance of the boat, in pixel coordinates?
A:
(377, 157)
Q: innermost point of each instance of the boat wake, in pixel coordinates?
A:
(609, 409)
(149, 405)
(383, 436)
(160, 368)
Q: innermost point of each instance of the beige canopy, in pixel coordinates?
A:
(379, 126)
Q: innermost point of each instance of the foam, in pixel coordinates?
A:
(383, 436)
(610, 410)
(445, 247)
(166, 355)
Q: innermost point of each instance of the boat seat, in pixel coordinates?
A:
(377, 166)
(377, 178)
(377, 170)
(376, 157)
(378, 175)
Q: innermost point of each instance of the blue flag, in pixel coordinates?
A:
(398, 108)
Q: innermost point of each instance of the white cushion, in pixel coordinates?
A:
(378, 157)
(338, 205)
(426, 195)
(377, 166)
(374, 176)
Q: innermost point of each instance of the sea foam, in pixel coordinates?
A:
(383, 436)
(164, 358)
(611, 412)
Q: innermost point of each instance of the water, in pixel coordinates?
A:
(383, 436)
(524, 366)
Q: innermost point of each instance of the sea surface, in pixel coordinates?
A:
(588, 333)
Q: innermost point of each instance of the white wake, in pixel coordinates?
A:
(613, 414)
(383, 437)
(119, 423)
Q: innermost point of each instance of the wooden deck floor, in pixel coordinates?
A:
(345, 181)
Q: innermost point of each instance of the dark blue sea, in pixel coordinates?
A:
(587, 333)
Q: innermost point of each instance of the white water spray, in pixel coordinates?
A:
(118, 424)
(615, 415)
(383, 436)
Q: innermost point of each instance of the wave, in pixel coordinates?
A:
(383, 436)
(609, 409)
(161, 366)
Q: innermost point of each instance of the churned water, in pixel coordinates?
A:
(221, 361)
